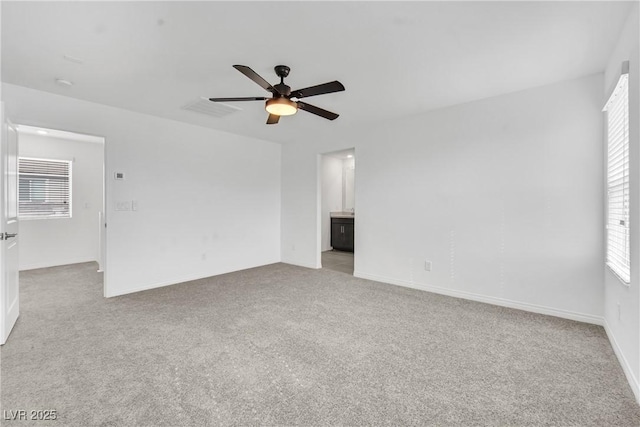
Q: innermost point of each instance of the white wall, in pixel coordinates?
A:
(624, 330)
(50, 242)
(348, 184)
(331, 195)
(503, 195)
(208, 201)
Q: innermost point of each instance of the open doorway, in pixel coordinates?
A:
(61, 198)
(337, 189)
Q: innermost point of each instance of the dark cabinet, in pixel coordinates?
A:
(342, 234)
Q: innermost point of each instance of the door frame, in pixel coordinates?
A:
(319, 178)
(102, 220)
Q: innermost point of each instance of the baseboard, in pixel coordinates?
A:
(503, 302)
(302, 264)
(156, 285)
(47, 265)
(176, 281)
(633, 381)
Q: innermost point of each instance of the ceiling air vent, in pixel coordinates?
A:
(213, 109)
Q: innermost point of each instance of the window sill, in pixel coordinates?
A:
(620, 279)
(44, 218)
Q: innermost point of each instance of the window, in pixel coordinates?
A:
(44, 189)
(618, 243)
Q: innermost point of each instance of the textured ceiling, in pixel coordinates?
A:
(395, 59)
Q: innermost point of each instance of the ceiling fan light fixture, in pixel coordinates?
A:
(281, 106)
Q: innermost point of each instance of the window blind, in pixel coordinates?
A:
(44, 188)
(618, 236)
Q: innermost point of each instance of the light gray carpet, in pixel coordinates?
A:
(283, 345)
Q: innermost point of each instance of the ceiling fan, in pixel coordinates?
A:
(281, 103)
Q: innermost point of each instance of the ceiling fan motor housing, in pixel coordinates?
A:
(283, 90)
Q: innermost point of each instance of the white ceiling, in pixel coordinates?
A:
(395, 59)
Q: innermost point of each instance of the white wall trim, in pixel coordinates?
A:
(503, 302)
(303, 264)
(633, 381)
(36, 266)
(177, 281)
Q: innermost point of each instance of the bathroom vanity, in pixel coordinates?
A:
(342, 231)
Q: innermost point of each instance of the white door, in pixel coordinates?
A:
(9, 287)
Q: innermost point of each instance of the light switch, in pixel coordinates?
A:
(123, 206)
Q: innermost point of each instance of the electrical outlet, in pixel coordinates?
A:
(427, 265)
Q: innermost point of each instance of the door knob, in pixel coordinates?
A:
(7, 236)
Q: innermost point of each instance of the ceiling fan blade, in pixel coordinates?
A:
(273, 119)
(252, 98)
(330, 87)
(255, 77)
(317, 111)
